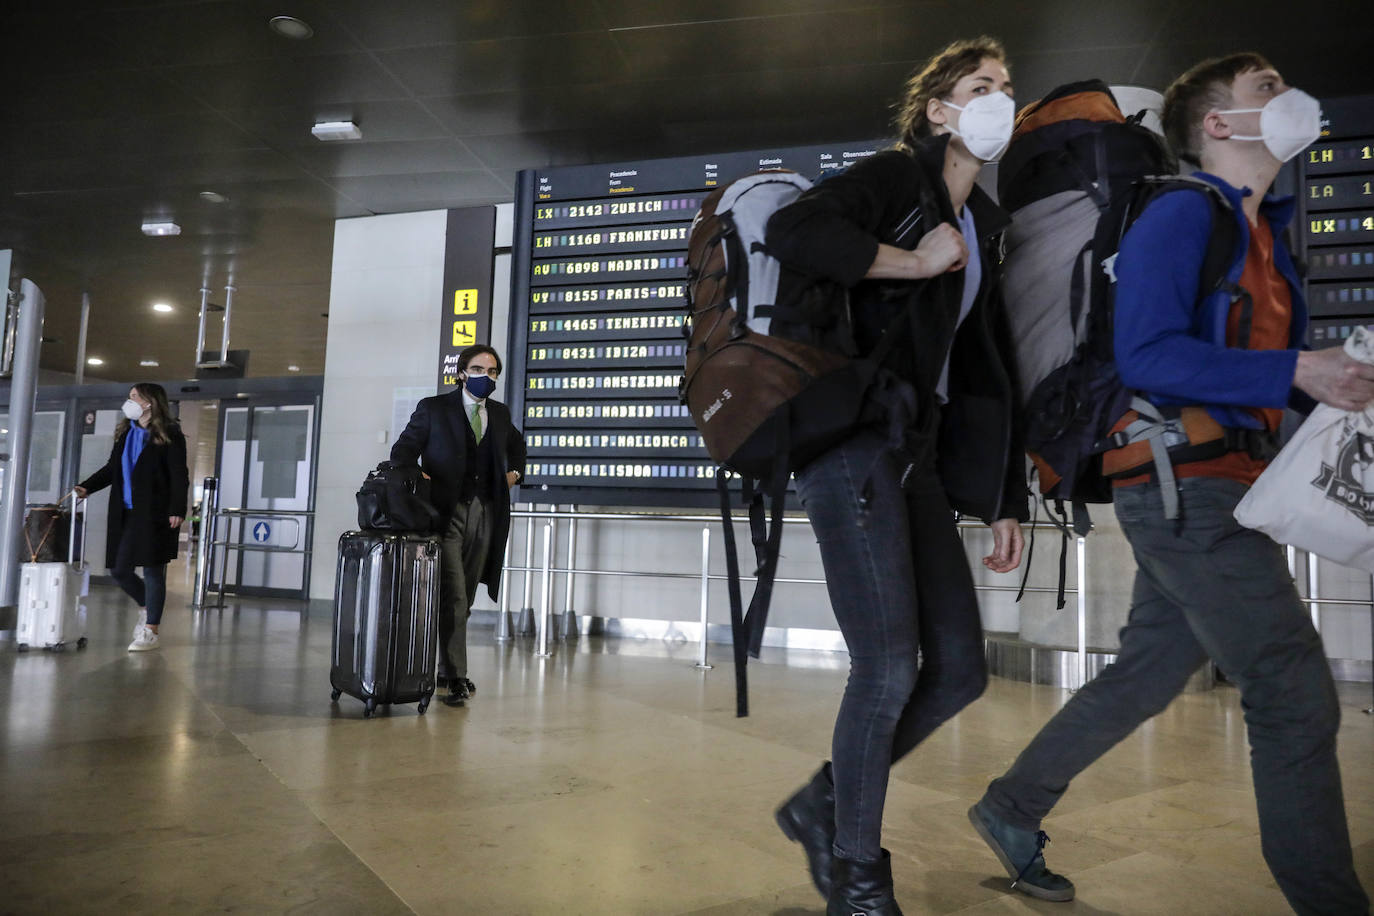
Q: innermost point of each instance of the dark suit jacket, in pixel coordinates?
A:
(160, 484)
(439, 439)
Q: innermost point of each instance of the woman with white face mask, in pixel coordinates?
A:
(910, 235)
(148, 481)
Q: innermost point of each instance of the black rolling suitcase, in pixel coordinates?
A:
(386, 618)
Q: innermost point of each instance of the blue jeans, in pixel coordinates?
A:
(149, 591)
(1207, 588)
(903, 597)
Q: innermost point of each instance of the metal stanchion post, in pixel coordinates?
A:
(1082, 612)
(545, 595)
(526, 625)
(503, 621)
(569, 628)
(702, 664)
(205, 540)
(1292, 553)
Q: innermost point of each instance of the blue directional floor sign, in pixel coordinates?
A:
(261, 532)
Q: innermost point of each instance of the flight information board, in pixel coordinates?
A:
(1337, 194)
(598, 287)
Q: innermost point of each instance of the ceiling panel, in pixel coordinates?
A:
(228, 31)
(780, 43)
(356, 159)
(493, 66)
(322, 79)
(414, 23)
(289, 125)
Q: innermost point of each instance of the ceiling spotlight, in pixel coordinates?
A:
(160, 227)
(161, 307)
(290, 27)
(148, 362)
(293, 368)
(213, 197)
(336, 130)
(95, 361)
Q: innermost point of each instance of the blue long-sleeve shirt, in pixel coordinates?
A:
(1173, 348)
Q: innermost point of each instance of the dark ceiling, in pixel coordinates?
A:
(117, 110)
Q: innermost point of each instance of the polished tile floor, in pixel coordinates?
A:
(215, 775)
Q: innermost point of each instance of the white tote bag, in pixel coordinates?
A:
(1318, 494)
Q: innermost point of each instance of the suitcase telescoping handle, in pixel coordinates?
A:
(71, 538)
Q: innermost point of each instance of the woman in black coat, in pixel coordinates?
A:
(148, 481)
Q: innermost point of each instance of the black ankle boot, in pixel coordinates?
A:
(808, 818)
(863, 889)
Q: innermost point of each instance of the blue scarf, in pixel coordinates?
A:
(133, 447)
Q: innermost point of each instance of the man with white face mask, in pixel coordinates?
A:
(1206, 588)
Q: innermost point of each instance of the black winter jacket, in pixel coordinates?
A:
(160, 484)
(832, 232)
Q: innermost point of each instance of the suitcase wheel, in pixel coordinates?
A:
(334, 695)
(81, 643)
(424, 704)
(369, 708)
(23, 647)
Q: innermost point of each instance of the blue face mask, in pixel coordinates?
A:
(479, 386)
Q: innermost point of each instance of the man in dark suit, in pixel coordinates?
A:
(473, 454)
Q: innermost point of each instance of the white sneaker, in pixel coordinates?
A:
(142, 622)
(145, 640)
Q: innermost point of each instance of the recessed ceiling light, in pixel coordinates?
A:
(161, 307)
(213, 197)
(148, 362)
(95, 361)
(290, 27)
(293, 368)
(160, 227)
(336, 130)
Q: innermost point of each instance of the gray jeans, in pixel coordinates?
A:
(466, 543)
(1207, 588)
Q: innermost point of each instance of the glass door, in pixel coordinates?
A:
(266, 498)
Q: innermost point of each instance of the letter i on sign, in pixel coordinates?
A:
(464, 303)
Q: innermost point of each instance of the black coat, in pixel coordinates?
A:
(160, 484)
(833, 231)
(439, 438)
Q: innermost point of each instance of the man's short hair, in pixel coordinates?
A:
(474, 351)
(1206, 87)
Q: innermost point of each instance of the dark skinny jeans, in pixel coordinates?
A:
(900, 585)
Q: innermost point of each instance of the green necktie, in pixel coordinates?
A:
(477, 421)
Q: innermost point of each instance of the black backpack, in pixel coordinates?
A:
(396, 498)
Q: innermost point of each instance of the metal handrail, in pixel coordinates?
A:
(267, 513)
(209, 544)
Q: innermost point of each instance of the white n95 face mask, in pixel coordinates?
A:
(132, 409)
(985, 124)
(1289, 122)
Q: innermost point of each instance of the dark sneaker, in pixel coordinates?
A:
(1022, 854)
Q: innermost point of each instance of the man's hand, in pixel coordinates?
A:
(80, 492)
(1333, 378)
(1007, 542)
(512, 477)
(175, 520)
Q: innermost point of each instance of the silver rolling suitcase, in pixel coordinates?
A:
(51, 613)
